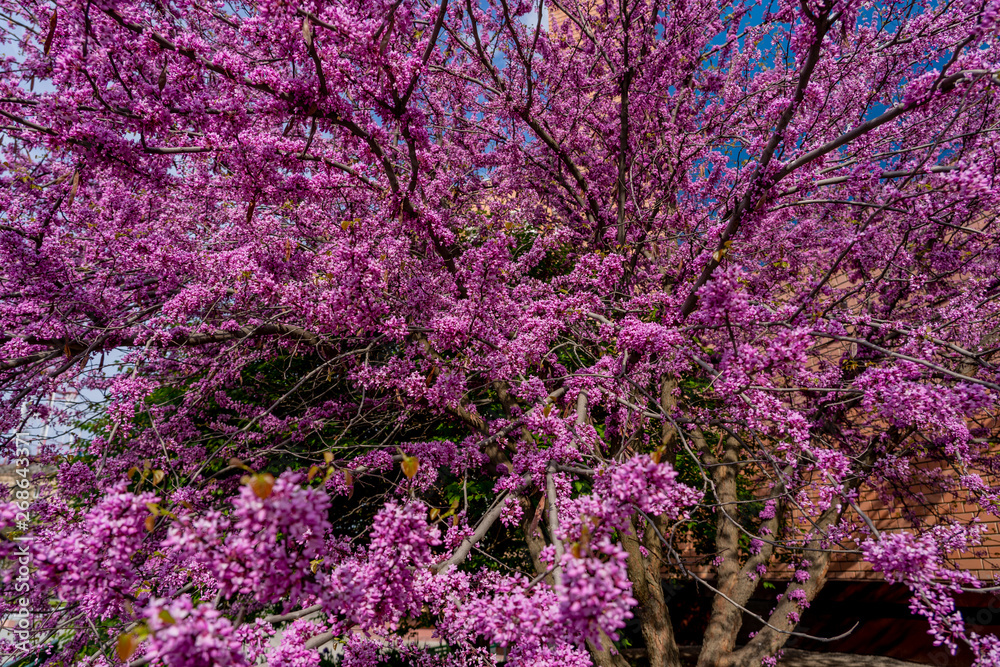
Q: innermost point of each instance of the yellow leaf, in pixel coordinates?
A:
(410, 465)
(127, 644)
(150, 523)
(262, 485)
(158, 476)
(236, 463)
(313, 471)
(328, 457)
(131, 472)
(166, 617)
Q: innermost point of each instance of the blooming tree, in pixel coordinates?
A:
(471, 316)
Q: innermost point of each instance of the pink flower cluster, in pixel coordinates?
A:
(595, 593)
(266, 546)
(182, 634)
(384, 585)
(919, 562)
(91, 563)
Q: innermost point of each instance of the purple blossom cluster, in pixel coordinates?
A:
(186, 635)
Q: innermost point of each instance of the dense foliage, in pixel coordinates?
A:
(485, 316)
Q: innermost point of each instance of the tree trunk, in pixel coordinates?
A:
(725, 621)
(601, 655)
(530, 515)
(770, 640)
(647, 587)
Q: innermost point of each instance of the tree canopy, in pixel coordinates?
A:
(476, 316)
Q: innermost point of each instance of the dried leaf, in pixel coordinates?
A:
(307, 31)
(385, 38)
(161, 82)
(52, 30)
(328, 457)
(158, 476)
(131, 472)
(75, 186)
(61, 179)
(313, 471)
(150, 523)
